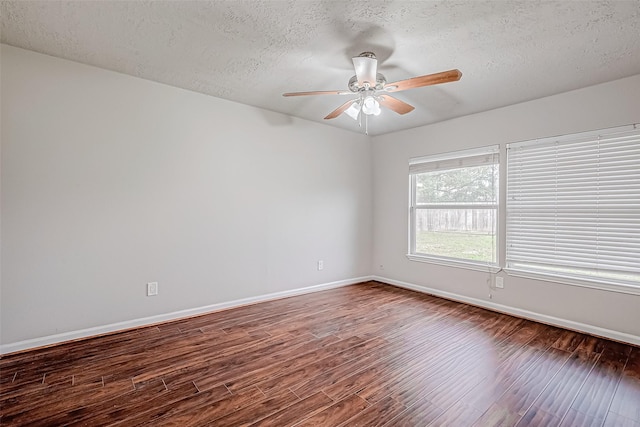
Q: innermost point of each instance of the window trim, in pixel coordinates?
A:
(455, 262)
(492, 267)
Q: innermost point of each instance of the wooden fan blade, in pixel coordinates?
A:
(428, 80)
(319, 92)
(395, 104)
(335, 113)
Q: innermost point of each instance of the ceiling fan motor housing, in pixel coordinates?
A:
(354, 86)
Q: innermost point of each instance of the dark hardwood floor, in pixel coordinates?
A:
(362, 355)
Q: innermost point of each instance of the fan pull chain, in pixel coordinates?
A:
(366, 124)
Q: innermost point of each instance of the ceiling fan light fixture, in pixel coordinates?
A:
(370, 106)
(354, 110)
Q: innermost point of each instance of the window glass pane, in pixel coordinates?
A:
(471, 185)
(456, 233)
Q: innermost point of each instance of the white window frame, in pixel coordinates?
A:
(491, 155)
(516, 264)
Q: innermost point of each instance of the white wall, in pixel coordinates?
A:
(607, 105)
(109, 182)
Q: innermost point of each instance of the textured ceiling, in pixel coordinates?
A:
(253, 51)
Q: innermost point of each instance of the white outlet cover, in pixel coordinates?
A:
(152, 289)
(500, 282)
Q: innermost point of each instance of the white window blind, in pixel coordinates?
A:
(573, 206)
(454, 160)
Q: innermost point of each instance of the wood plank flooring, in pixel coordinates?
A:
(362, 355)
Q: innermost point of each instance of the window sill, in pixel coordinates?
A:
(565, 280)
(450, 262)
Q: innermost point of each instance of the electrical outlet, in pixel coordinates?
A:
(320, 264)
(152, 289)
(500, 282)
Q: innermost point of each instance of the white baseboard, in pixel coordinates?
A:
(518, 312)
(160, 318)
(151, 320)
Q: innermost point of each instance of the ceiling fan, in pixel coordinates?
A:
(371, 89)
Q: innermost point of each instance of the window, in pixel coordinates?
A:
(454, 208)
(573, 208)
